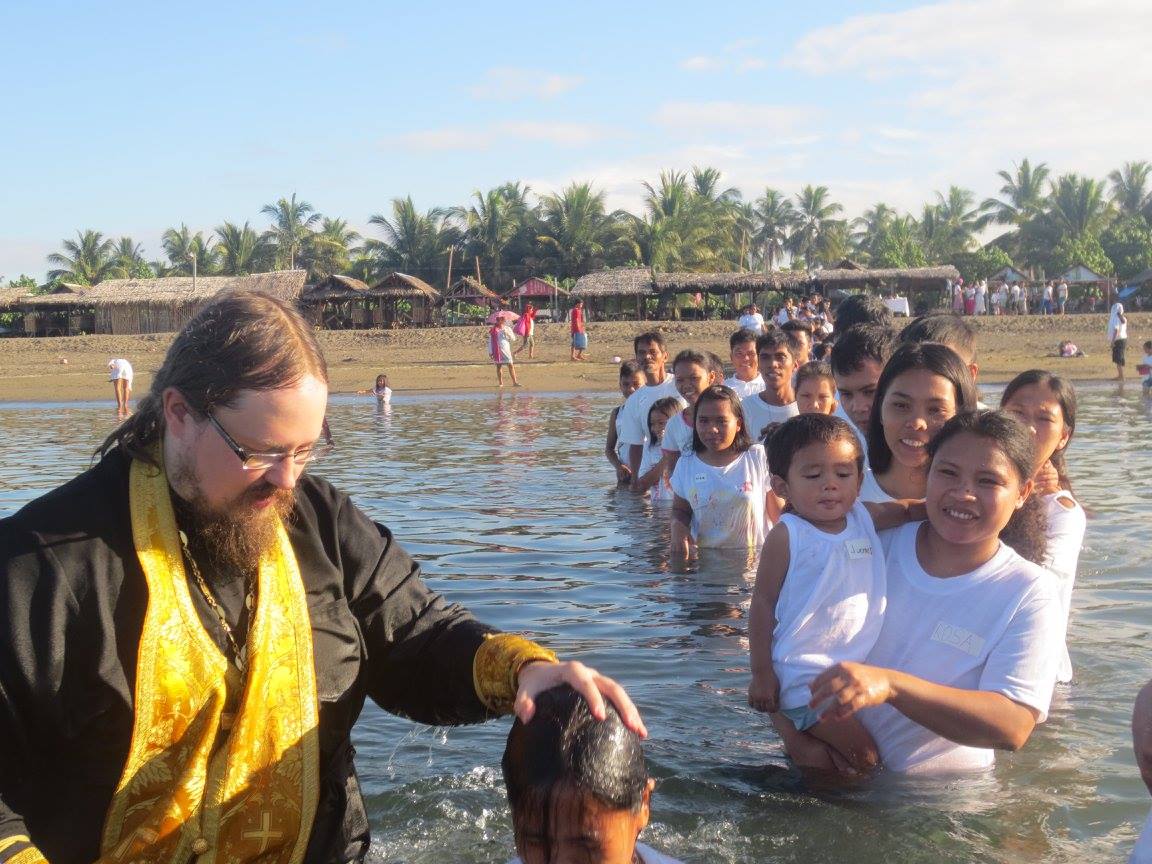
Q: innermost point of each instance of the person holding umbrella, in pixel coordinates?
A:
(500, 339)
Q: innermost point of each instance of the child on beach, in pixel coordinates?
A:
(820, 586)
(777, 401)
(500, 339)
(815, 388)
(745, 380)
(721, 487)
(631, 380)
(380, 390)
(578, 787)
(653, 465)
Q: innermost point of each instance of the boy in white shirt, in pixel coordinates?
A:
(777, 401)
(746, 380)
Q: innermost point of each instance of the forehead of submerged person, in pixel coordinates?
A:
(576, 828)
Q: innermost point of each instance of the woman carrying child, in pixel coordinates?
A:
(922, 386)
(1046, 405)
(721, 487)
(963, 664)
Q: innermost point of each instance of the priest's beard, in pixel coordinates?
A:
(232, 537)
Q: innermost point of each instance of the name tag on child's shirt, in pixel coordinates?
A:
(699, 478)
(858, 549)
(958, 637)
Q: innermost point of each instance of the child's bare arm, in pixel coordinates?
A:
(893, 514)
(681, 528)
(650, 477)
(623, 472)
(764, 691)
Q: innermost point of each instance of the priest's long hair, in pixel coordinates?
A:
(245, 340)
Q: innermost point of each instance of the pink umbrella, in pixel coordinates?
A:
(506, 314)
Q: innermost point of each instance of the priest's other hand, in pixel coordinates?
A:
(537, 677)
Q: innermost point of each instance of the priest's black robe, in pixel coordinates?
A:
(72, 603)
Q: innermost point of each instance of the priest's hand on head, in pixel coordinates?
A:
(537, 677)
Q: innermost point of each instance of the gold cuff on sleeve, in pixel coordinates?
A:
(497, 666)
(31, 855)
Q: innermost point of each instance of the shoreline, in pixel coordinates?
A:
(452, 360)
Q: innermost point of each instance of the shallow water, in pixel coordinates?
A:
(508, 503)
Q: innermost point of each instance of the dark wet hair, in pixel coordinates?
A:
(652, 337)
(1065, 395)
(720, 393)
(859, 344)
(565, 747)
(378, 377)
(945, 328)
(775, 338)
(741, 337)
(1026, 531)
(669, 406)
(815, 369)
(242, 341)
(629, 368)
(796, 433)
(715, 364)
(691, 355)
(792, 330)
(937, 359)
(861, 309)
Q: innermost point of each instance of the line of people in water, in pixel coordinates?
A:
(918, 550)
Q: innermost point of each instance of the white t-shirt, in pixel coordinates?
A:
(870, 490)
(782, 317)
(634, 414)
(1065, 536)
(1142, 854)
(831, 606)
(754, 321)
(1117, 329)
(744, 389)
(758, 414)
(678, 436)
(1047, 295)
(383, 394)
(120, 369)
(728, 502)
(991, 629)
(646, 854)
(653, 454)
(621, 446)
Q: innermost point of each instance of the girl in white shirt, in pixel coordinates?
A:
(720, 488)
(963, 664)
(1046, 404)
(820, 587)
(653, 473)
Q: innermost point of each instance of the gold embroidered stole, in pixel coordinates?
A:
(191, 788)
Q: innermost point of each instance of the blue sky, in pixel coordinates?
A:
(133, 117)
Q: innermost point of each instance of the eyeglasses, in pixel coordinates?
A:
(250, 461)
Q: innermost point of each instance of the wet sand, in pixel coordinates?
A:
(454, 359)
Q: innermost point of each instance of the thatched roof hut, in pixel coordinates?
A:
(617, 282)
(467, 288)
(728, 283)
(1081, 274)
(335, 287)
(403, 286)
(912, 277)
(1008, 273)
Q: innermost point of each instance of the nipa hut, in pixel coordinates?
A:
(335, 303)
(469, 290)
(403, 299)
(125, 306)
(1007, 274)
(737, 287)
(613, 293)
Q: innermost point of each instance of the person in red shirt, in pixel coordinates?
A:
(526, 329)
(579, 336)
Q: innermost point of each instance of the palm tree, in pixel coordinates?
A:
(1130, 188)
(414, 242)
(871, 227)
(774, 216)
(680, 230)
(949, 227)
(84, 261)
(130, 263)
(1077, 206)
(813, 224)
(328, 250)
(241, 249)
(292, 222)
(182, 246)
(578, 231)
(492, 223)
(1023, 194)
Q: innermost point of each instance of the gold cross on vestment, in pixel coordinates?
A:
(265, 833)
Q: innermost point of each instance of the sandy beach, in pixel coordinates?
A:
(454, 359)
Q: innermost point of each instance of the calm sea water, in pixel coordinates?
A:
(508, 503)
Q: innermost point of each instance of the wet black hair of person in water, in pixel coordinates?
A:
(565, 764)
(1026, 531)
(861, 309)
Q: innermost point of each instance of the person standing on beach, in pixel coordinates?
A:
(191, 627)
(526, 327)
(1118, 337)
(500, 340)
(120, 374)
(751, 319)
(579, 334)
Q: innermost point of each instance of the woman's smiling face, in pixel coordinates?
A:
(973, 489)
(916, 405)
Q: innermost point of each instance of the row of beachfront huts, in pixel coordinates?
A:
(126, 306)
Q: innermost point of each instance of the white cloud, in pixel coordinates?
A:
(739, 116)
(701, 63)
(511, 82)
(1057, 82)
(504, 134)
